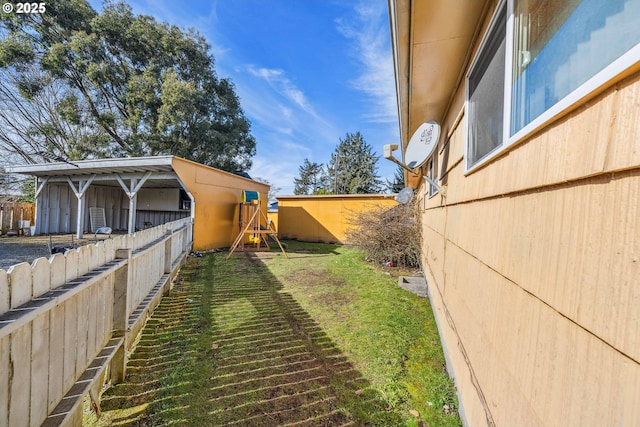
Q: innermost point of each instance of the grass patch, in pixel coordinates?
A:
(389, 334)
(321, 338)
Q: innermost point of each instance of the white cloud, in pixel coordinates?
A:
(279, 109)
(368, 34)
(286, 132)
(280, 174)
(284, 86)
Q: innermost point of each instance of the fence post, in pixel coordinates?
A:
(167, 252)
(120, 315)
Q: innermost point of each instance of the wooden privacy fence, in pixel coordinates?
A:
(11, 213)
(68, 323)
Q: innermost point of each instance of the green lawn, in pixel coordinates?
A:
(320, 338)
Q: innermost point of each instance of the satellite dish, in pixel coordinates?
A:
(422, 144)
(404, 196)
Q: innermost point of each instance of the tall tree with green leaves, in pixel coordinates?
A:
(150, 87)
(353, 167)
(312, 179)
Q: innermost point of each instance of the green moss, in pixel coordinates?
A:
(321, 337)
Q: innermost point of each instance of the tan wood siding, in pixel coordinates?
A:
(533, 262)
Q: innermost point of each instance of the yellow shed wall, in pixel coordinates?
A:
(323, 218)
(217, 197)
(533, 264)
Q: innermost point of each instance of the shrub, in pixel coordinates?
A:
(388, 234)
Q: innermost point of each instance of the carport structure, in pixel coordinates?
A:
(137, 193)
(65, 189)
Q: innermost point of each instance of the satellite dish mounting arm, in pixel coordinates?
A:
(388, 154)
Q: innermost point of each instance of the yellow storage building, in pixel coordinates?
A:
(323, 218)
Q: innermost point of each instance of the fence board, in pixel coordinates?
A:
(93, 295)
(57, 270)
(20, 284)
(20, 380)
(82, 331)
(101, 299)
(148, 268)
(5, 297)
(110, 246)
(41, 276)
(99, 254)
(71, 265)
(70, 332)
(39, 369)
(4, 380)
(106, 299)
(84, 260)
(56, 356)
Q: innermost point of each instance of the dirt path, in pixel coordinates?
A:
(228, 347)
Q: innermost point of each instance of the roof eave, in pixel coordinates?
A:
(432, 42)
(75, 167)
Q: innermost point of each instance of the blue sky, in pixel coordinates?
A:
(306, 71)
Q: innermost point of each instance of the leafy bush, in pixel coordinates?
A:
(388, 234)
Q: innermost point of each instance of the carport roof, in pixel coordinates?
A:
(107, 170)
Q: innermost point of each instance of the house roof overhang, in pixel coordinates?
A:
(432, 42)
(107, 171)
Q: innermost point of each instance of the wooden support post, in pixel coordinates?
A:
(37, 215)
(167, 252)
(274, 234)
(133, 205)
(94, 395)
(241, 234)
(83, 185)
(132, 193)
(120, 315)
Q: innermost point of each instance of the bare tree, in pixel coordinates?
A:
(38, 115)
(273, 190)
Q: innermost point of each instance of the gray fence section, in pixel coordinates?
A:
(67, 323)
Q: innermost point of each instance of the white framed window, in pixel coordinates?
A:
(432, 173)
(556, 53)
(485, 93)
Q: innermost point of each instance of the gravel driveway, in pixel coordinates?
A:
(17, 249)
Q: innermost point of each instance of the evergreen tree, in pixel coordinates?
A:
(398, 181)
(311, 179)
(353, 167)
(28, 188)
